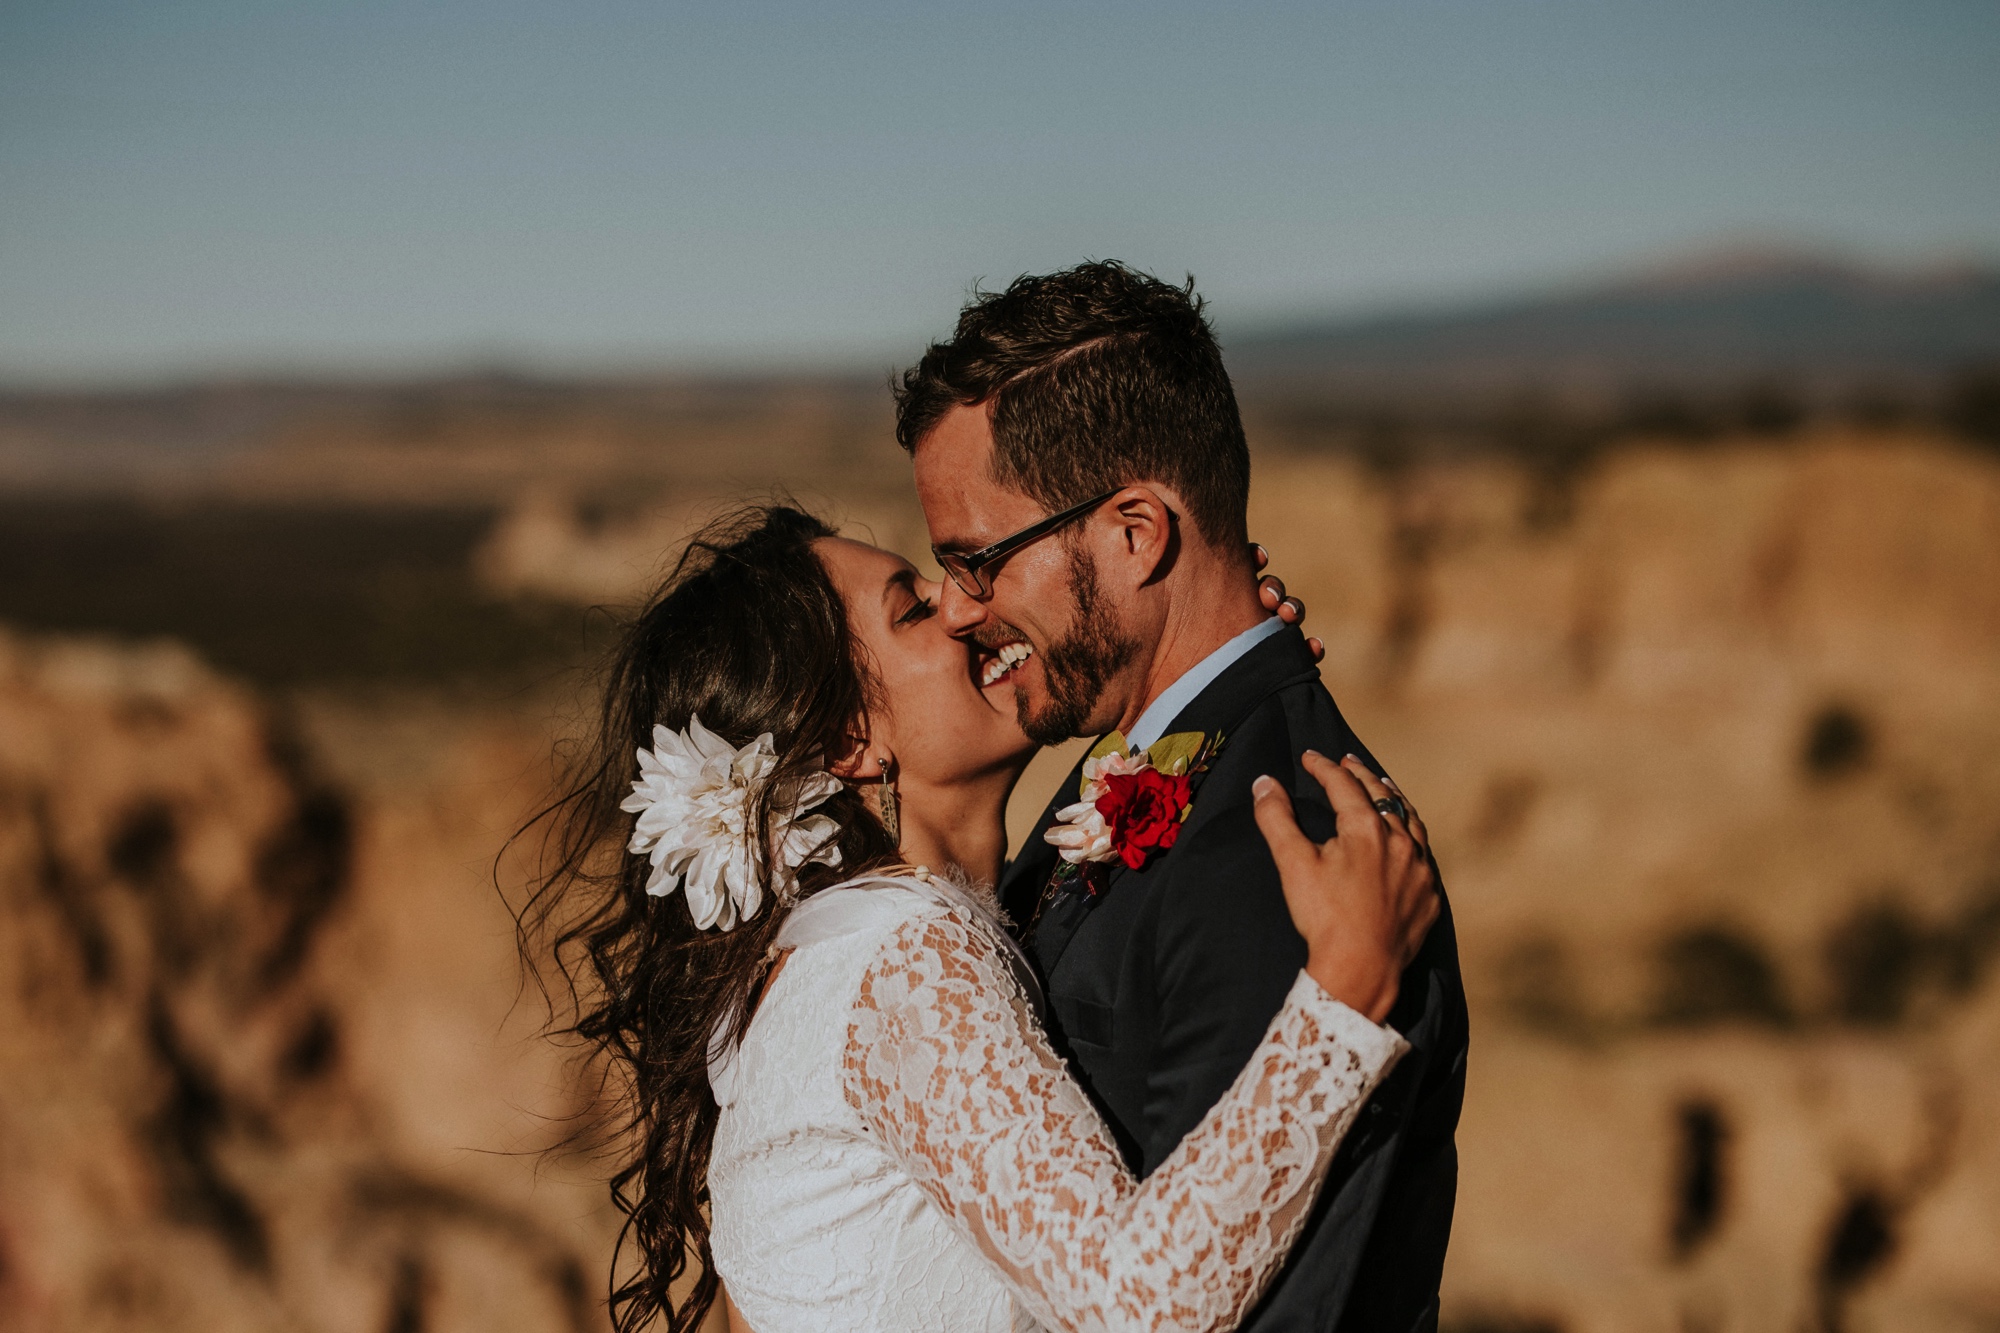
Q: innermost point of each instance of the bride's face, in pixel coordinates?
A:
(935, 716)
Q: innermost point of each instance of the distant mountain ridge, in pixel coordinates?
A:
(1722, 319)
(1737, 341)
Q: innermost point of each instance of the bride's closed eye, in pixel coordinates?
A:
(903, 588)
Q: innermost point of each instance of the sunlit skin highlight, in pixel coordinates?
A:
(954, 748)
(1164, 586)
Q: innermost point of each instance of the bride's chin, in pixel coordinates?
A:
(1010, 752)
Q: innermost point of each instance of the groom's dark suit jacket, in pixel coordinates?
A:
(1162, 985)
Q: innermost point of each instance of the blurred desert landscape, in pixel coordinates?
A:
(1696, 680)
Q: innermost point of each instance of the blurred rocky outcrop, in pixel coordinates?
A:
(1709, 740)
(1707, 731)
(257, 1063)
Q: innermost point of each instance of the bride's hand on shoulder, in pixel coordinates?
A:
(1365, 898)
(1271, 591)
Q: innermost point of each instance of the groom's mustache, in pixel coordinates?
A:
(994, 635)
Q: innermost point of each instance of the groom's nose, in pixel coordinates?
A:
(961, 614)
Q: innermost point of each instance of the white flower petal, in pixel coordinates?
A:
(1079, 834)
(700, 741)
(1114, 764)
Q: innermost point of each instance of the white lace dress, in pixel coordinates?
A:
(900, 1151)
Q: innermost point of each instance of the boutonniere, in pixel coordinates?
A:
(1132, 804)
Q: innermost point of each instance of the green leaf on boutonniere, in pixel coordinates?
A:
(1113, 743)
(1177, 753)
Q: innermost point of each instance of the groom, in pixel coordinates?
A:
(1083, 471)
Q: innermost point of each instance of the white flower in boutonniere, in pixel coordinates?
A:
(1080, 833)
(1132, 804)
(695, 797)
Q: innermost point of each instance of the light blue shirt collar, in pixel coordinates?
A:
(1159, 715)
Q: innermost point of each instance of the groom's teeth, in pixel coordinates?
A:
(1005, 659)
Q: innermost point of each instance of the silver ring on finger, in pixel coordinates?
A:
(1389, 805)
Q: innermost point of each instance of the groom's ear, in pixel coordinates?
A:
(1147, 531)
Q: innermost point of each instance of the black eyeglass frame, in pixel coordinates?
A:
(964, 567)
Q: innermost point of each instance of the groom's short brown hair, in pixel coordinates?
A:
(1098, 376)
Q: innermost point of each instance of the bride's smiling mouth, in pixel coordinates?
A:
(992, 666)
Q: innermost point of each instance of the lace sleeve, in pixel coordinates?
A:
(946, 1063)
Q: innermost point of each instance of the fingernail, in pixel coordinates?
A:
(1352, 759)
(1314, 754)
(1265, 786)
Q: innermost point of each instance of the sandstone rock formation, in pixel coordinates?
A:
(260, 1061)
(1709, 739)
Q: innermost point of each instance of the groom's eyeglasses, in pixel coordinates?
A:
(973, 573)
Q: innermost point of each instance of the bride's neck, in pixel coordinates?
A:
(963, 823)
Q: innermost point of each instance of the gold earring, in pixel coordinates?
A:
(892, 817)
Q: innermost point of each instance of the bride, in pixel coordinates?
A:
(839, 1096)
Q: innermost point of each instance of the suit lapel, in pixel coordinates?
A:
(1022, 881)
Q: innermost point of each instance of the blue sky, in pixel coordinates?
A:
(224, 186)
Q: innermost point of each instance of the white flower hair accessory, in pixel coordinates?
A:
(695, 797)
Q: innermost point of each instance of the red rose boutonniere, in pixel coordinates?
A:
(1142, 812)
(1132, 804)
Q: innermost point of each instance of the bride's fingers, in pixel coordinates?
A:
(1271, 592)
(1418, 901)
(1349, 798)
(1411, 817)
(1422, 835)
(1377, 792)
(1366, 899)
(1290, 847)
(1318, 648)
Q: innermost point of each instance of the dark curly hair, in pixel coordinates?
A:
(1099, 376)
(750, 633)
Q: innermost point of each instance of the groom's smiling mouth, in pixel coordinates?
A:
(991, 666)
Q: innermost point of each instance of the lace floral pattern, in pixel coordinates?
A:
(947, 1067)
(816, 1227)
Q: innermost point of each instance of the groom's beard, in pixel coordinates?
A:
(1078, 666)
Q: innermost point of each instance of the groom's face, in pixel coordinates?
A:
(1046, 594)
